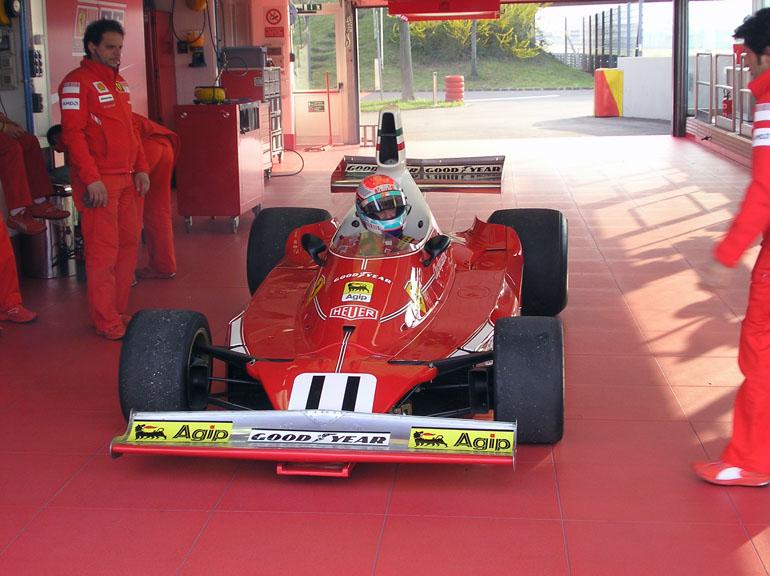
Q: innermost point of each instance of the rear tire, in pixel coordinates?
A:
(544, 244)
(528, 377)
(268, 235)
(159, 370)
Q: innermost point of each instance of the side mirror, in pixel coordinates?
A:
(313, 245)
(434, 247)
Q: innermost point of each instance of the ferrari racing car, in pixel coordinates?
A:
(375, 338)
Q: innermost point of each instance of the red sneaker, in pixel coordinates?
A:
(24, 223)
(148, 273)
(718, 472)
(114, 332)
(18, 314)
(46, 210)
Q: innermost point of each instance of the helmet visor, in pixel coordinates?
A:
(384, 206)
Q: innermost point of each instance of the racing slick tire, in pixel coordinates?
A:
(528, 377)
(543, 236)
(268, 235)
(159, 368)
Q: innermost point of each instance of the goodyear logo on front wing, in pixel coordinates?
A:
(486, 441)
(181, 432)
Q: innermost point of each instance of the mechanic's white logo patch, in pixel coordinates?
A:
(358, 292)
(106, 98)
(761, 137)
(70, 103)
(101, 88)
(354, 312)
(336, 391)
(323, 438)
(70, 88)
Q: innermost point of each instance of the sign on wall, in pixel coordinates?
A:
(274, 24)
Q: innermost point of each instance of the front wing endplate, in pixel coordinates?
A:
(318, 436)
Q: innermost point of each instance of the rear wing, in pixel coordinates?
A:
(480, 174)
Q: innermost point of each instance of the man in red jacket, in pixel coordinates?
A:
(746, 459)
(108, 171)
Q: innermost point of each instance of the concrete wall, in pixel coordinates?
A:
(647, 87)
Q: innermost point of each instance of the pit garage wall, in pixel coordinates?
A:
(65, 21)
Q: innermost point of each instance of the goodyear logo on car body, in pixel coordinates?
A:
(181, 432)
(358, 292)
(498, 441)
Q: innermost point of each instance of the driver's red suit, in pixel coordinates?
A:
(749, 447)
(103, 145)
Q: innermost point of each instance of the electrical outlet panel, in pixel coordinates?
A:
(35, 64)
(8, 63)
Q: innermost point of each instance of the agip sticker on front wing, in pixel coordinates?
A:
(480, 441)
(181, 432)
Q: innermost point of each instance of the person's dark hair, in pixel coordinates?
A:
(755, 31)
(96, 29)
(52, 133)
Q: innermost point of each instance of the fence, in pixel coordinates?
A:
(601, 39)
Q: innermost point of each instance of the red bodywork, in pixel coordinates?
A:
(414, 312)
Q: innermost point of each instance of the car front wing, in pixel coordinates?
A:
(316, 436)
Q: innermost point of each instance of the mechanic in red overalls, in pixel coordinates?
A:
(108, 171)
(746, 459)
(161, 146)
(26, 184)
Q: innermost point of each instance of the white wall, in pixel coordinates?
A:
(647, 87)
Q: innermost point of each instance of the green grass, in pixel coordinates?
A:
(375, 105)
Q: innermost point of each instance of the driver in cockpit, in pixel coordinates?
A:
(381, 208)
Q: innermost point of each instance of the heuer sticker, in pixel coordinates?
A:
(313, 437)
(354, 312)
(70, 88)
(498, 441)
(358, 292)
(101, 88)
(106, 98)
(70, 103)
(179, 432)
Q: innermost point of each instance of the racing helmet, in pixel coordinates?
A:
(381, 205)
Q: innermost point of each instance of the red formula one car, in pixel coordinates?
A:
(360, 345)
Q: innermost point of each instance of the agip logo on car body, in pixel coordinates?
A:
(487, 441)
(179, 432)
(358, 292)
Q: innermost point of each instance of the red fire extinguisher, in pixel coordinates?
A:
(727, 106)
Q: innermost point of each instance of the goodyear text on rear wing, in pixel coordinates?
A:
(481, 174)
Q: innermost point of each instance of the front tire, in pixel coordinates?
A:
(160, 370)
(528, 377)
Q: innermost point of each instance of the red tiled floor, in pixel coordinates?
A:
(650, 367)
